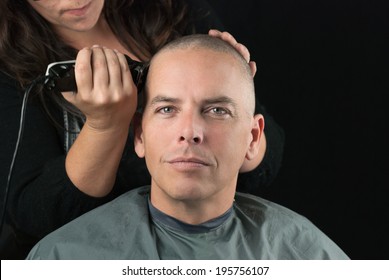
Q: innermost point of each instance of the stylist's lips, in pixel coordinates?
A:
(80, 11)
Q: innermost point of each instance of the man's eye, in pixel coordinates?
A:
(219, 111)
(165, 110)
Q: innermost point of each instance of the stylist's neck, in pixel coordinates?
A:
(99, 34)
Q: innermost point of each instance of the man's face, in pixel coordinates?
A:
(196, 126)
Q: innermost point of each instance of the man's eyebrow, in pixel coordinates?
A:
(162, 98)
(209, 101)
(221, 100)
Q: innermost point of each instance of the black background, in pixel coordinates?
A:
(323, 75)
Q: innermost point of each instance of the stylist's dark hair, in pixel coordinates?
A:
(28, 44)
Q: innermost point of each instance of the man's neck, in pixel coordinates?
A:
(173, 223)
(193, 212)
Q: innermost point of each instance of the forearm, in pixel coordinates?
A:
(107, 96)
(93, 160)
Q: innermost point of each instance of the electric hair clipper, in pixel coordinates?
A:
(60, 75)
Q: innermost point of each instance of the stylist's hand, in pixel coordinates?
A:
(107, 96)
(106, 92)
(238, 46)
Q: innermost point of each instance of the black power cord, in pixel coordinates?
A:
(17, 145)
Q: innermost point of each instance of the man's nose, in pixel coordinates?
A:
(191, 129)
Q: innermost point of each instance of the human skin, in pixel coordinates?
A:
(106, 93)
(197, 129)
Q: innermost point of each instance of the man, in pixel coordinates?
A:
(197, 128)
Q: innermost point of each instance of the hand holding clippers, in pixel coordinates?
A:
(60, 75)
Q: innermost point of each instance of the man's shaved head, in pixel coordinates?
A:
(206, 42)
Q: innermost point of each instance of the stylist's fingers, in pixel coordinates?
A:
(126, 77)
(114, 68)
(253, 67)
(83, 76)
(83, 70)
(242, 49)
(100, 69)
(225, 36)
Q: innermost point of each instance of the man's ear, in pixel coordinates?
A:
(138, 135)
(258, 141)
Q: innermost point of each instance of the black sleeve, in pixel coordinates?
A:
(40, 197)
(261, 177)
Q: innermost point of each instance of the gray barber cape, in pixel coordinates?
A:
(130, 228)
